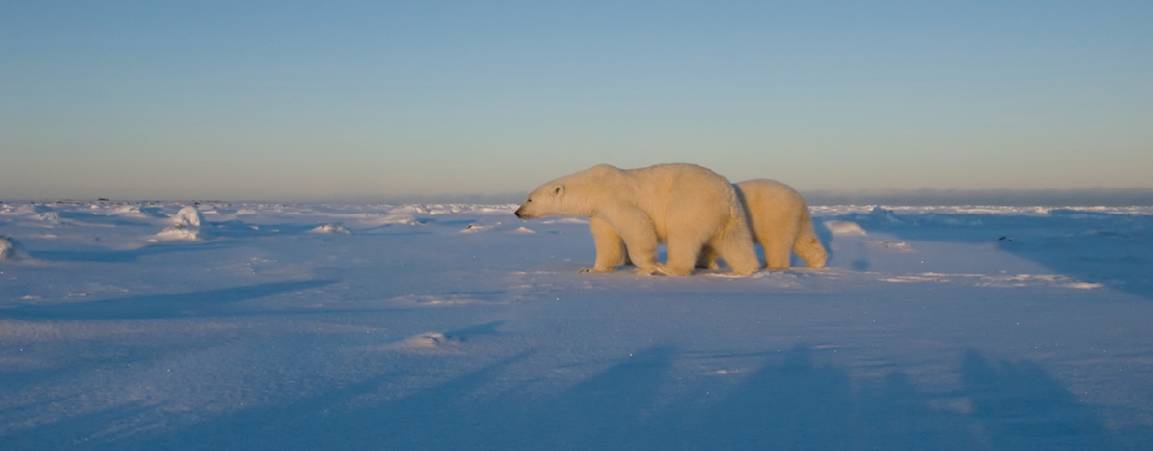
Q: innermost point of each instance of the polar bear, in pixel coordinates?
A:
(779, 218)
(683, 205)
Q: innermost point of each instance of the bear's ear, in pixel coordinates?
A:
(558, 190)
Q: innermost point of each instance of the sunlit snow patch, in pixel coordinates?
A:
(427, 341)
(996, 280)
(524, 230)
(844, 228)
(178, 233)
(330, 229)
(132, 211)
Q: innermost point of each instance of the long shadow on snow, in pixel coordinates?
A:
(159, 306)
(1111, 249)
(789, 403)
(335, 420)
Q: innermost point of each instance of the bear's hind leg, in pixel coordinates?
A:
(808, 246)
(777, 240)
(738, 251)
(684, 247)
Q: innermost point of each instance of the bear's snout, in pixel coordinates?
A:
(519, 213)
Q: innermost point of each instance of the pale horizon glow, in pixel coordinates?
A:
(218, 100)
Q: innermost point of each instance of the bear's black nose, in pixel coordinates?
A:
(517, 213)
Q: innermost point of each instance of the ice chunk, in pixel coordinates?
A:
(11, 249)
(188, 216)
(185, 226)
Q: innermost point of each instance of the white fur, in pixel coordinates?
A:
(779, 218)
(684, 205)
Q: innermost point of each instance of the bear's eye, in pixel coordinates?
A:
(530, 200)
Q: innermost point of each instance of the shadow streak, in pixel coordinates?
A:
(159, 306)
(790, 402)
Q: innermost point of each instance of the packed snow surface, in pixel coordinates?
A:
(458, 326)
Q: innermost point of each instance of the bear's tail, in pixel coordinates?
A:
(808, 245)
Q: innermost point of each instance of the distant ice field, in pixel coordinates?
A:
(173, 325)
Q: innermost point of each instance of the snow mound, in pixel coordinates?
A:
(475, 228)
(428, 341)
(844, 228)
(188, 217)
(49, 218)
(330, 229)
(524, 230)
(185, 226)
(885, 215)
(131, 211)
(11, 249)
(178, 232)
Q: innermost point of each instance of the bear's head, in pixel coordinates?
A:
(547, 200)
(571, 195)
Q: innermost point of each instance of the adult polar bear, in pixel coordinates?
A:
(683, 205)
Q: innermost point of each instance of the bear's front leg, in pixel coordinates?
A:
(610, 248)
(639, 234)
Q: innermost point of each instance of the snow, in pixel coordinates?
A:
(844, 228)
(11, 249)
(178, 232)
(188, 217)
(185, 226)
(1007, 328)
(330, 229)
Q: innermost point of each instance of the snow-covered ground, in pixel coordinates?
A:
(292, 326)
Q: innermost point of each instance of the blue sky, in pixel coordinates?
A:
(330, 100)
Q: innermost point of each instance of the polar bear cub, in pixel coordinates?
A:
(779, 218)
(686, 206)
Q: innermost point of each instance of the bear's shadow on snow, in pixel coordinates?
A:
(239, 229)
(104, 219)
(790, 402)
(122, 256)
(206, 303)
(1110, 249)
